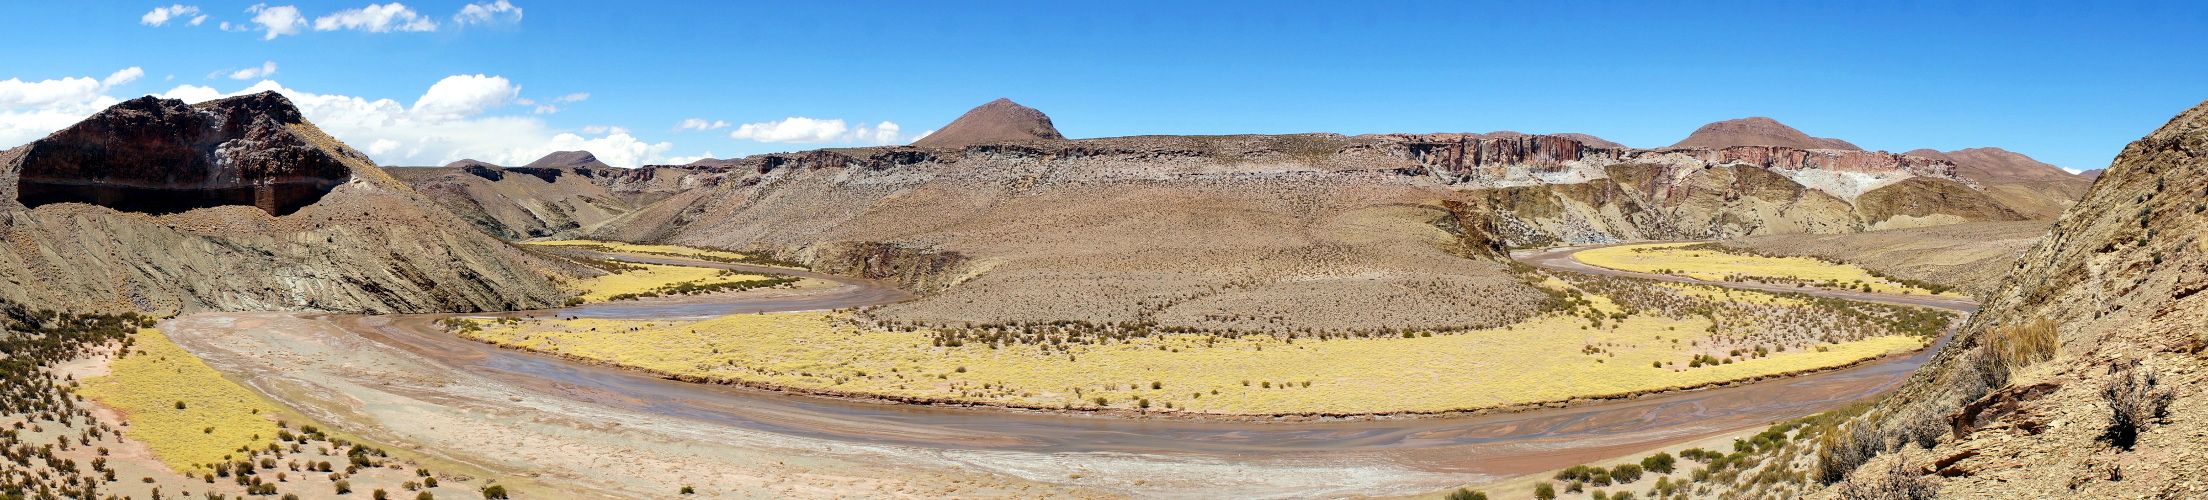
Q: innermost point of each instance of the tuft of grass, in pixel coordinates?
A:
(2014, 347)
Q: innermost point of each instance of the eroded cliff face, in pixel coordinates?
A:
(157, 223)
(161, 156)
(2082, 376)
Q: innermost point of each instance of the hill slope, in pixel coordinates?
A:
(237, 204)
(2032, 188)
(2116, 287)
(997, 121)
(1756, 131)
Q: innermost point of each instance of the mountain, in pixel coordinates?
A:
(559, 194)
(2081, 376)
(999, 121)
(157, 206)
(1756, 131)
(2030, 187)
(2091, 174)
(568, 159)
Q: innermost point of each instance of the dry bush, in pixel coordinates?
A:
(2135, 401)
(1898, 478)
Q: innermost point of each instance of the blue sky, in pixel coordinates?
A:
(2067, 83)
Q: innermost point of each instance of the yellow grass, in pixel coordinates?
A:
(145, 389)
(1711, 265)
(653, 276)
(1535, 361)
(633, 248)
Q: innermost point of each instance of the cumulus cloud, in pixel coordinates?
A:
(793, 129)
(266, 69)
(31, 109)
(161, 15)
(122, 76)
(500, 11)
(461, 96)
(376, 18)
(453, 119)
(449, 122)
(803, 130)
(275, 21)
(686, 160)
(700, 124)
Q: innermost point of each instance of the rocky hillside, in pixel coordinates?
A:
(2030, 187)
(1756, 131)
(1217, 231)
(998, 121)
(2082, 376)
(561, 193)
(237, 204)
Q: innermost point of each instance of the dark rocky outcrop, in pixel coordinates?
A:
(163, 156)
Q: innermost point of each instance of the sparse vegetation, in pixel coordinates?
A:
(1058, 366)
(1710, 262)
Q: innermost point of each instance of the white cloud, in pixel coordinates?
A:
(199, 19)
(447, 123)
(461, 96)
(161, 15)
(451, 120)
(276, 21)
(799, 129)
(376, 18)
(266, 69)
(573, 97)
(701, 124)
(793, 129)
(880, 134)
(686, 160)
(500, 11)
(122, 76)
(30, 110)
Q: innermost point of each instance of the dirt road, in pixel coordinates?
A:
(610, 432)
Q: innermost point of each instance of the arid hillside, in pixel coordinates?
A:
(522, 202)
(1756, 131)
(2082, 376)
(998, 121)
(1974, 257)
(2032, 188)
(1227, 231)
(237, 204)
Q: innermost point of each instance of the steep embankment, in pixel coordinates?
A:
(158, 206)
(2081, 377)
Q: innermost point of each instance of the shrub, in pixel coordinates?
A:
(689, 490)
(494, 492)
(1660, 463)
(2134, 402)
(1895, 480)
(1467, 494)
(1626, 473)
(1544, 491)
(344, 487)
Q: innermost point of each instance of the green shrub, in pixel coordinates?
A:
(1660, 463)
(1466, 494)
(1544, 491)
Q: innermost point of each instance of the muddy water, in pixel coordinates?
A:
(1491, 445)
